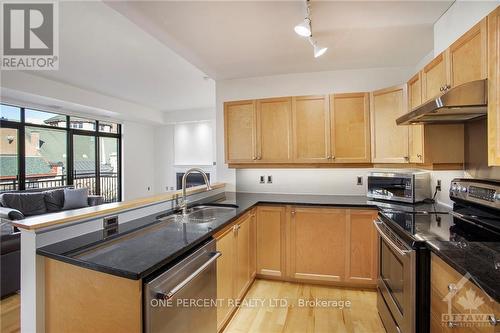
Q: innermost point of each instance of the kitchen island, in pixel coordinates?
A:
(147, 244)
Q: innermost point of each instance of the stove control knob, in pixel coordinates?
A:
(463, 189)
(497, 196)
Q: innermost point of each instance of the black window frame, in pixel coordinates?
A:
(22, 124)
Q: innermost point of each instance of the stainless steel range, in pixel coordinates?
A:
(404, 266)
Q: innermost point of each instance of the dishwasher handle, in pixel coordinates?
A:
(185, 282)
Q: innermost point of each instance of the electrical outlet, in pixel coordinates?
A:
(269, 179)
(262, 179)
(438, 185)
(359, 180)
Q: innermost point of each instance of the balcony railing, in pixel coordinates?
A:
(108, 184)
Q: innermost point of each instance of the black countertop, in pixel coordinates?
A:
(145, 245)
(480, 260)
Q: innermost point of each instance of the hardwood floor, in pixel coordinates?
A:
(9, 314)
(361, 316)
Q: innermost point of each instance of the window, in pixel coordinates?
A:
(9, 163)
(82, 123)
(40, 149)
(45, 118)
(11, 113)
(45, 157)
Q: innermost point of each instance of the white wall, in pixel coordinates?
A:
(138, 157)
(164, 158)
(325, 181)
(459, 18)
(296, 84)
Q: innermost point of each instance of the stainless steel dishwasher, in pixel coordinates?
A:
(183, 298)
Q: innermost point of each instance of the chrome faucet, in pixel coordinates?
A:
(184, 202)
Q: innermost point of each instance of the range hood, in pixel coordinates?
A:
(465, 102)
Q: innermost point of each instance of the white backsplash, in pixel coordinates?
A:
(324, 181)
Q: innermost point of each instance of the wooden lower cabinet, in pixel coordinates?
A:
(457, 304)
(78, 299)
(361, 249)
(235, 269)
(270, 241)
(333, 246)
(318, 244)
(225, 276)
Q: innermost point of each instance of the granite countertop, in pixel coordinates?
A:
(144, 245)
(480, 260)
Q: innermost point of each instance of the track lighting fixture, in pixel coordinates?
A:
(304, 29)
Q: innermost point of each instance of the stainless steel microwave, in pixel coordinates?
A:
(405, 186)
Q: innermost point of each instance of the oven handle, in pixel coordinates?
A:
(388, 240)
(186, 281)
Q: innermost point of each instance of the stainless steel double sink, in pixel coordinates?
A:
(199, 214)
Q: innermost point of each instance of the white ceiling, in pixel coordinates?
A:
(104, 52)
(236, 39)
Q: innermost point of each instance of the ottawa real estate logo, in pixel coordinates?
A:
(30, 36)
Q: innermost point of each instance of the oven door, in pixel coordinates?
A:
(396, 281)
(395, 188)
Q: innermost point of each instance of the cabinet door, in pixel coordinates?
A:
(435, 77)
(350, 128)
(318, 244)
(361, 258)
(274, 130)
(416, 132)
(389, 141)
(468, 56)
(270, 241)
(253, 244)
(240, 131)
(494, 88)
(311, 129)
(242, 278)
(456, 302)
(225, 276)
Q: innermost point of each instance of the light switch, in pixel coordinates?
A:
(262, 179)
(269, 179)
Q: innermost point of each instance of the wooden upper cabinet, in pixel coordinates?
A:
(435, 77)
(389, 141)
(311, 129)
(416, 132)
(274, 130)
(318, 244)
(494, 88)
(415, 91)
(468, 56)
(362, 251)
(350, 128)
(240, 131)
(271, 241)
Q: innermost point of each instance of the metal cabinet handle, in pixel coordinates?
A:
(186, 281)
(254, 158)
(452, 288)
(293, 212)
(329, 157)
(441, 88)
(493, 320)
(389, 241)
